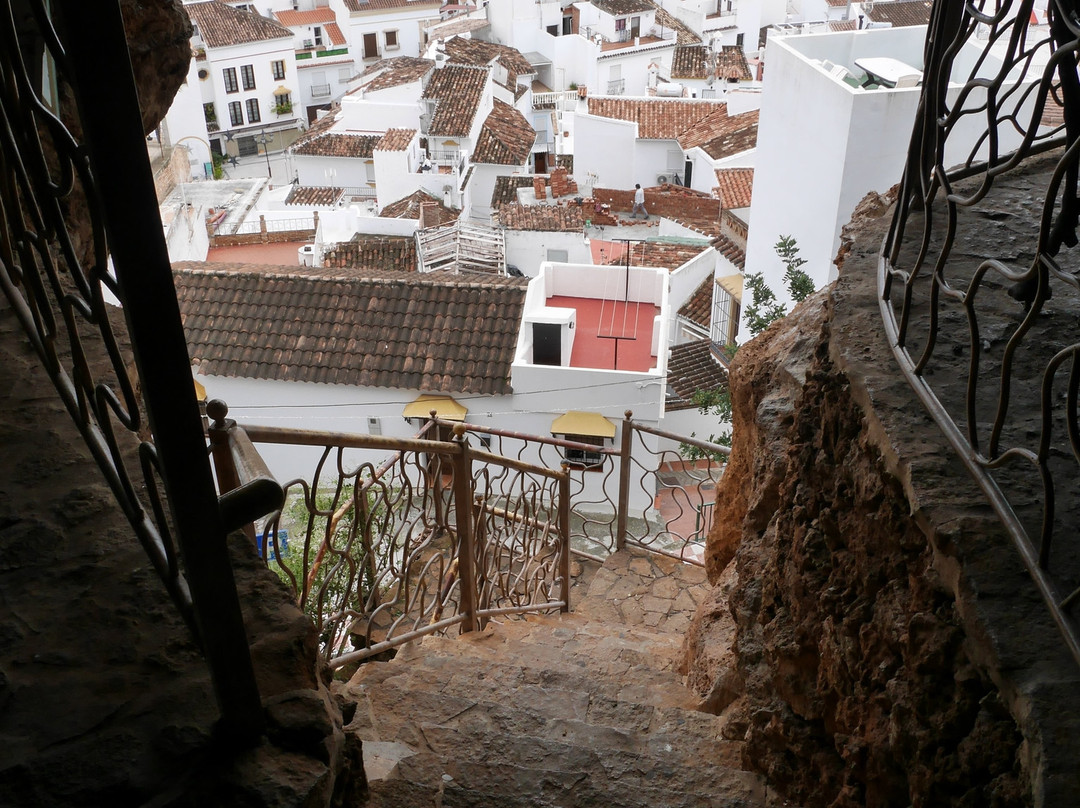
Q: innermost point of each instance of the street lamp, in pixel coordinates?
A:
(263, 140)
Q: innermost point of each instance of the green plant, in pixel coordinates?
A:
(219, 170)
(763, 308)
(283, 109)
(716, 402)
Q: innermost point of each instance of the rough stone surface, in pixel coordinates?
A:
(889, 648)
(576, 709)
(104, 698)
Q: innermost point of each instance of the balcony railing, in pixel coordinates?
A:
(616, 87)
(969, 243)
(564, 99)
(320, 90)
(379, 552)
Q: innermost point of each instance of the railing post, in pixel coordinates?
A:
(564, 536)
(463, 509)
(624, 480)
(227, 477)
(483, 591)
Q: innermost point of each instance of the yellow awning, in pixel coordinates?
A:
(282, 90)
(732, 284)
(200, 391)
(576, 422)
(444, 406)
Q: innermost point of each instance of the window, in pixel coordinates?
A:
(279, 69)
(229, 73)
(371, 46)
(344, 74)
(583, 458)
(236, 113)
(247, 73)
(559, 256)
(391, 40)
(253, 110)
(210, 114)
(316, 33)
(282, 103)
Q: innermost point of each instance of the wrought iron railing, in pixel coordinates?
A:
(979, 273)
(379, 552)
(676, 492)
(61, 225)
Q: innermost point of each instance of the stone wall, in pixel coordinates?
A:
(889, 649)
(172, 171)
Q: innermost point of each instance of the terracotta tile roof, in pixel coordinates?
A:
(835, 26)
(549, 218)
(433, 333)
(478, 52)
(668, 255)
(380, 5)
(698, 307)
(684, 34)
(334, 32)
(373, 253)
(730, 250)
(336, 144)
(722, 135)
(656, 118)
(900, 13)
(505, 139)
(306, 195)
(837, 3)
(312, 16)
(617, 7)
(409, 208)
(440, 29)
(692, 368)
(457, 90)
(221, 25)
(387, 73)
(689, 62)
(506, 189)
(396, 140)
(731, 64)
(735, 187)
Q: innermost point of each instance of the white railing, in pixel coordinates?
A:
(560, 99)
(320, 90)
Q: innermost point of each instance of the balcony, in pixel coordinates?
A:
(616, 87)
(320, 90)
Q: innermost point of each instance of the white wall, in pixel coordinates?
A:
(185, 123)
(312, 170)
(374, 115)
(259, 55)
(186, 236)
(528, 249)
(686, 279)
(607, 148)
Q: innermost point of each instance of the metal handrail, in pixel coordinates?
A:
(56, 282)
(935, 304)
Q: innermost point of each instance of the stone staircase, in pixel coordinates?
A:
(563, 710)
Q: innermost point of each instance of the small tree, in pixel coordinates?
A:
(716, 402)
(763, 309)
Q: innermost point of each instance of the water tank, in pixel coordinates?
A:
(669, 90)
(307, 255)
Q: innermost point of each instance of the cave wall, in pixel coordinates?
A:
(889, 649)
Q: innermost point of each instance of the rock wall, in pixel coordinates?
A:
(877, 656)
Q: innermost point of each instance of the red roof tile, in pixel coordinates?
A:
(477, 52)
(307, 17)
(433, 333)
(900, 13)
(396, 140)
(684, 34)
(731, 64)
(335, 144)
(698, 307)
(380, 5)
(619, 7)
(373, 253)
(505, 191)
(409, 208)
(668, 255)
(551, 218)
(505, 139)
(690, 62)
(722, 135)
(657, 118)
(457, 90)
(305, 195)
(735, 187)
(221, 25)
(691, 367)
(388, 73)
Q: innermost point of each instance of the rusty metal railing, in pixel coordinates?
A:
(677, 494)
(69, 119)
(979, 273)
(436, 535)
